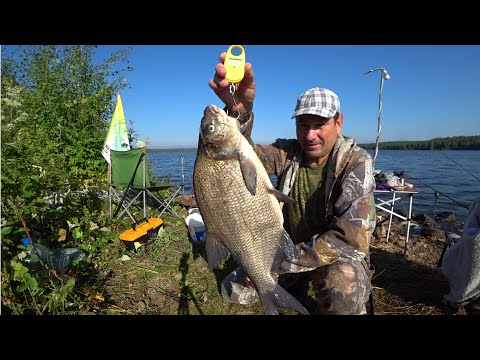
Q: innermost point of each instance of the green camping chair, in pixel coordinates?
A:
(128, 171)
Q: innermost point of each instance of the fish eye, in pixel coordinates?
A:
(211, 128)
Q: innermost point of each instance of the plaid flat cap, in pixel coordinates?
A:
(317, 101)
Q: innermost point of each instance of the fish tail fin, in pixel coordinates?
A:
(280, 298)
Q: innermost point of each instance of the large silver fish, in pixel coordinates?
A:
(241, 209)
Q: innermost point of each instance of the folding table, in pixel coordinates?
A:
(380, 203)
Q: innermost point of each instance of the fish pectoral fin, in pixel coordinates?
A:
(287, 245)
(281, 196)
(286, 249)
(217, 253)
(249, 172)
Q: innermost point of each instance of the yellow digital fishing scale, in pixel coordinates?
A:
(235, 66)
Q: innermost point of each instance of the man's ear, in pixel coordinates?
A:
(339, 123)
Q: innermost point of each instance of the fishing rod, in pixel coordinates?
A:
(439, 192)
(384, 77)
(449, 237)
(460, 166)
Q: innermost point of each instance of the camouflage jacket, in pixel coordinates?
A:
(350, 208)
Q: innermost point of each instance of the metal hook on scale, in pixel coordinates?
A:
(235, 66)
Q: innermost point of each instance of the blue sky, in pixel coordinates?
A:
(434, 90)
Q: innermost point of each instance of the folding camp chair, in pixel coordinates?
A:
(128, 174)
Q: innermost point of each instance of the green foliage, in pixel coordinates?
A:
(40, 289)
(56, 105)
(58, 299)
(65, 106)
(56, 108)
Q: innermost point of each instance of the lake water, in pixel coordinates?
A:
(448, 172)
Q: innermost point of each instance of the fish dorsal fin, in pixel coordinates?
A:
(217, 253)
(281, 196)
(249, 172)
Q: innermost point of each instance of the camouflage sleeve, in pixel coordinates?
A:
(273, 156)
(353, 220)
(246, 124)
(236, 288)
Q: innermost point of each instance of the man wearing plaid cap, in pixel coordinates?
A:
(332, 221)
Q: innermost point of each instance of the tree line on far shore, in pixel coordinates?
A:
(447, 143)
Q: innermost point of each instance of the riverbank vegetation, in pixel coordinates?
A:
(447, 143)
(55, 109)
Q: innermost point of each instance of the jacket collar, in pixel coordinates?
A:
(338, 160)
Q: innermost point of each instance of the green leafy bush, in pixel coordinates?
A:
(56, 106)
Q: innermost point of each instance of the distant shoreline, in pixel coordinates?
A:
(447, 143)
(361, 145)
(173, 150)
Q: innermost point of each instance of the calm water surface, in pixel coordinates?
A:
(444, 171)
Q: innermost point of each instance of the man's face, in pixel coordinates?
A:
(317, 136)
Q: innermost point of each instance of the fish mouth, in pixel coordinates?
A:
(212, 111)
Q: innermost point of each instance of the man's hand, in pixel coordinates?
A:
(311, 257)
(244, 94)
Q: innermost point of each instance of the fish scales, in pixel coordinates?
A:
(240, 208)
(239, 221)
